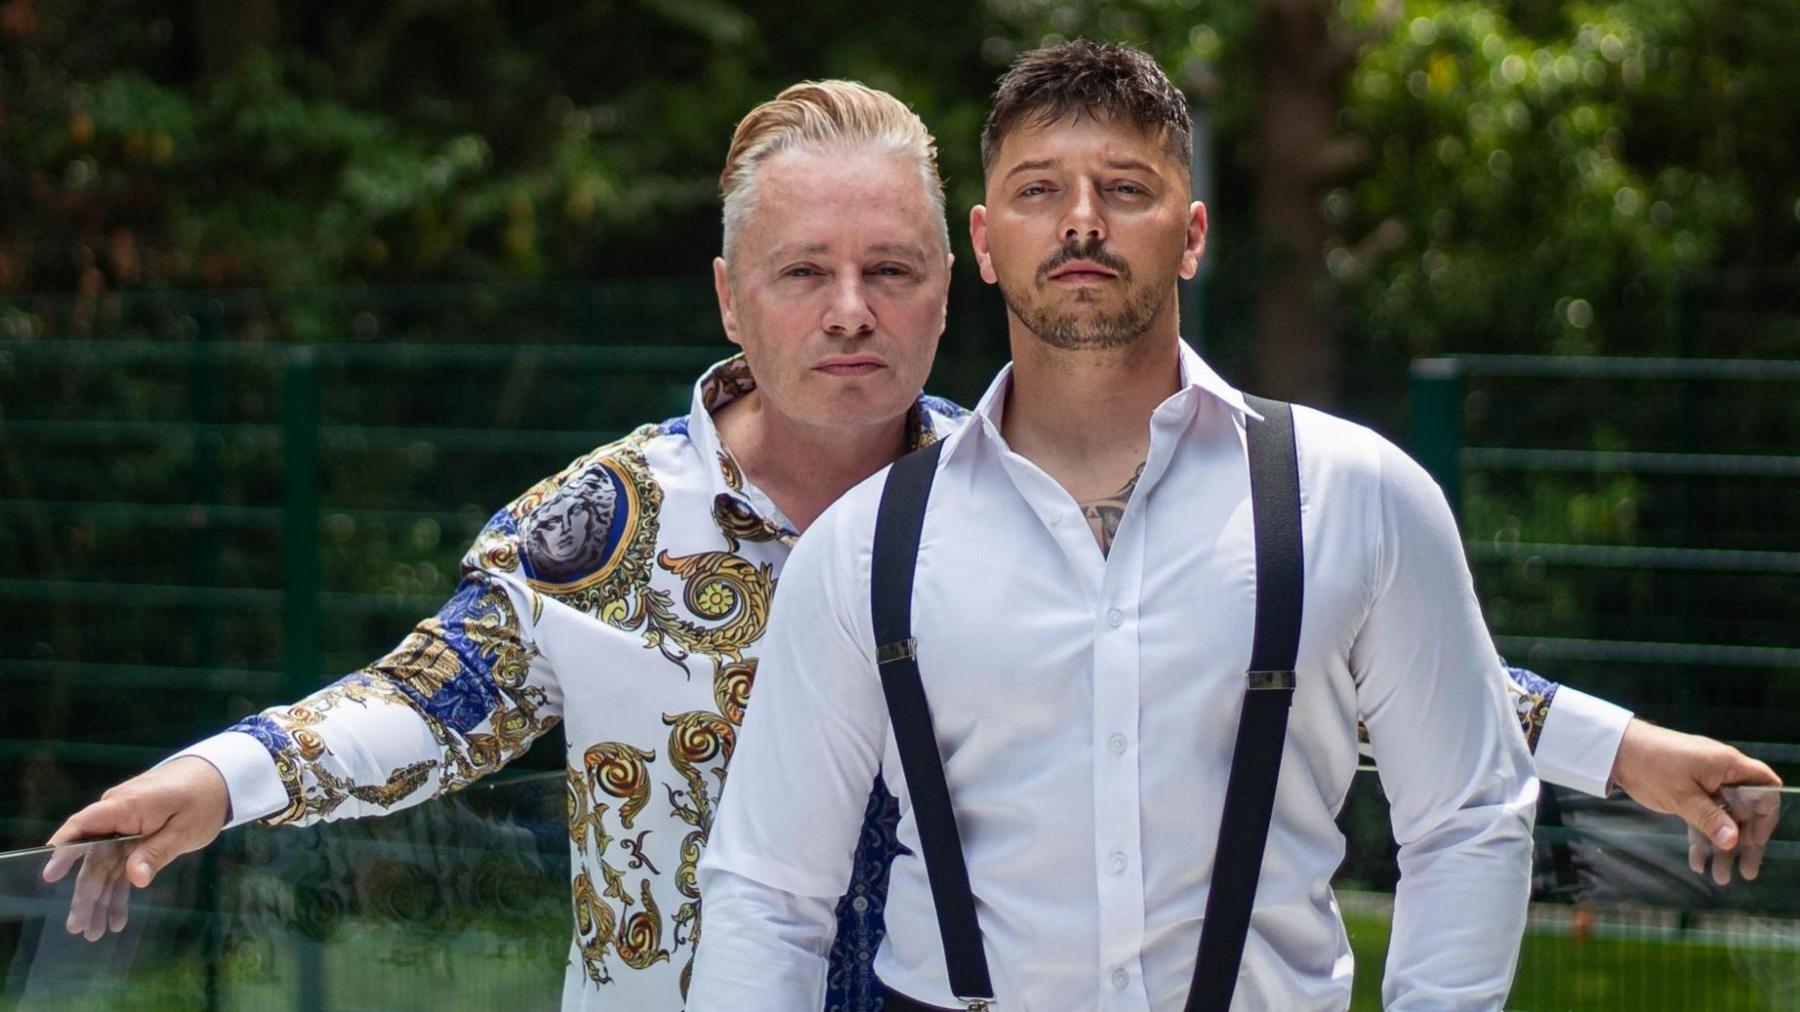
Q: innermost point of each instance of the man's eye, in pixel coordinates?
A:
(891, 271)
(800, 272)
(1130, 189)
(1034, 190)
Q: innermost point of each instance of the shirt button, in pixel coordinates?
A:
(1120, 978)
(1054, 519)
(1117, 744)
(1115, 618)
(1117, 863)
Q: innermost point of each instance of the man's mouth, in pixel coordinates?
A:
(850, 365)
(1082, 272)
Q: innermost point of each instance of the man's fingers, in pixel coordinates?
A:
(59, 864)
(1698, 849)
(1743, 770)
(99, 866)
(146, 859)
(1765, 812)
(1750, 858)
(1721, 866)
(1706, 815)
(118, 910)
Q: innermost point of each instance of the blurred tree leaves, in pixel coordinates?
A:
(1529, 175)
(1541, 174)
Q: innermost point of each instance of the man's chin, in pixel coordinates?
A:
(856, 409)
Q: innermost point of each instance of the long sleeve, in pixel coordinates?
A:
(1455, 770)
(1573, 737)
(782, 844)
(465, 693)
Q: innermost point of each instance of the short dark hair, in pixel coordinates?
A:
(1084, 78)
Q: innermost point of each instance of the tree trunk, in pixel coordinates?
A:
(1300, 68)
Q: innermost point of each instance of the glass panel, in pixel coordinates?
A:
(463, 903)
(460, 903)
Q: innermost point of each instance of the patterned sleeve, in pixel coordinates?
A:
(1530, 694)
(461, 696)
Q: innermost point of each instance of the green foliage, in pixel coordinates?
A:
(1541, 175)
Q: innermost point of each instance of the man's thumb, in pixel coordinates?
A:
(1712, 821)
(146, 859)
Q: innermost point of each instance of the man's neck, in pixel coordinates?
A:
(1084, 416)
(804, 469)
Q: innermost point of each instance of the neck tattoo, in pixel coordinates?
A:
(1103, 514)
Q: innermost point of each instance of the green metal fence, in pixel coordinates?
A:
(1634, 524)
(208, 504)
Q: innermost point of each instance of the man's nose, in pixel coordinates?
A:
(849, 314)
(1084, 221)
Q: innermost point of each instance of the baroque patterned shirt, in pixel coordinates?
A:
(623, 596)
(626, 596)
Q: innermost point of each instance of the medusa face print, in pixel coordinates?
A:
(570, 535)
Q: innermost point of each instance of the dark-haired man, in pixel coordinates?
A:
(1085, 678)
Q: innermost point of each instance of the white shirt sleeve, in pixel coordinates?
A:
(782, 845)
(253, 785)
(1450, 756)
(1580, 741)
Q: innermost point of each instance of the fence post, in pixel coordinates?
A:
(300, 576)
(1437, 423)
(206, 386)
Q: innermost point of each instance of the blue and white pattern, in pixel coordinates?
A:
(850, 984)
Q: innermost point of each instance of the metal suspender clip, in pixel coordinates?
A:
(1265, 680)
(979, 1004)
(888, 653)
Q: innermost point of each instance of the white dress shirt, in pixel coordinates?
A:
(1085, 707)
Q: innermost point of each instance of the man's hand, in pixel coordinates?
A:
(1684, 774)
(177, 807)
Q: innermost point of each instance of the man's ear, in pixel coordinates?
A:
(1195, 245)
(978, 237)
(727, 302)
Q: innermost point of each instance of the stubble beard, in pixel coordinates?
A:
(1067, 326)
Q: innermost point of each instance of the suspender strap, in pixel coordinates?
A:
(898, 524)
(1256, 758)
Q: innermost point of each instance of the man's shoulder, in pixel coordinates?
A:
(1335, 448)
(575, 527)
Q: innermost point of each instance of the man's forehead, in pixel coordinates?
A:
(827, 247)
(1112, 141)
(856, 202)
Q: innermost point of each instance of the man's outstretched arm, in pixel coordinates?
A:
(1590, 745)
(462, 695)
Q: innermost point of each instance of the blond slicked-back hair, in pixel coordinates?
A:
(823, 116)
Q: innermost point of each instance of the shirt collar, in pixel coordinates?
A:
(1198, 380)
(741, 509)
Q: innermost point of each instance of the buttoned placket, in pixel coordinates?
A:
(1114, 583)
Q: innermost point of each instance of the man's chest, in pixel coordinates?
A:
(1017, 612)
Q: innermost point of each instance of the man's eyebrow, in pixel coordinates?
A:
(1032, 166)
(1132, 165)
(800, 249)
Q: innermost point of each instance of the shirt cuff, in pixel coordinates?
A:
(250, 779)
(1580, 741)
